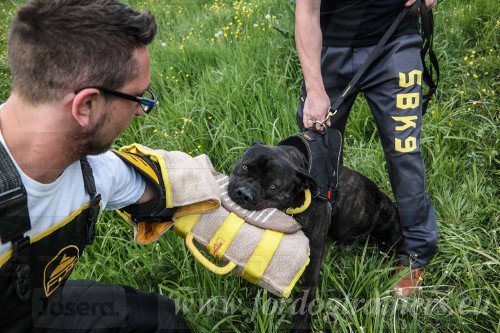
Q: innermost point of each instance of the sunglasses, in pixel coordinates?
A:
(147, 101)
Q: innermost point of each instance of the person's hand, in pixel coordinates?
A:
(428, 3)
(316, 108)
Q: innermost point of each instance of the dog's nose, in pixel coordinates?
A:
(244, 193)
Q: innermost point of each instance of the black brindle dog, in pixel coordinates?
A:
(276, 177)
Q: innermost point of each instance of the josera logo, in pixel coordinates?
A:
(59, 268)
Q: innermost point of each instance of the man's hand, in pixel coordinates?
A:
(428, 3)
(316, 109)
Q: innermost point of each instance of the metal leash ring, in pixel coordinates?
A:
(323, 122)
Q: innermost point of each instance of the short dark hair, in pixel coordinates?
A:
(58, 45)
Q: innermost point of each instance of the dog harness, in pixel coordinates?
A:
(323, 152)
(35, 268)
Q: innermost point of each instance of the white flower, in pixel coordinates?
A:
(268, 16)
(218, 34)
(255, 25)
(163, 44)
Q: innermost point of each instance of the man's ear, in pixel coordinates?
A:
(82, 105)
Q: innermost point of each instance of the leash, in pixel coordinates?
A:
(427, 27)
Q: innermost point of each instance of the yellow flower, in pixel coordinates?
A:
(466, 58)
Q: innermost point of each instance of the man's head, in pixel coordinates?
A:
(56, 46)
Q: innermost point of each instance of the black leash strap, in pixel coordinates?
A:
(427, 26)
(373, 55)
(429, 78)
(15, 221)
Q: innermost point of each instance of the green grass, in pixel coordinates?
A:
(218, 94)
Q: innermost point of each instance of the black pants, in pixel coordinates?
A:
(84, 306)
(392, 86)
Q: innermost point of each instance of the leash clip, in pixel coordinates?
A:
(323, 122)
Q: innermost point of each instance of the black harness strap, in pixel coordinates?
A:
(13, 200)
(95, 199)
(15, 222)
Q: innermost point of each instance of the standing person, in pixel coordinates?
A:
(80, 74)
(334, 39)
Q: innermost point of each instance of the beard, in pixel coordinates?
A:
(93, 141)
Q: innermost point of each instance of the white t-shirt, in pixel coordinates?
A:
(48, 204)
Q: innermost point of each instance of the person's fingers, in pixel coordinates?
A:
(318, 127)
(307, 122)
(409, 3)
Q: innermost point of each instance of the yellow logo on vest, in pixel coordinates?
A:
(59, 268)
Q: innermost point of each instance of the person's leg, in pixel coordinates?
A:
(393, 89)
(99, 307)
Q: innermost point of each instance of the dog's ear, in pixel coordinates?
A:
(299, 163)
(309, 182)
(297, 159)
(257, 143)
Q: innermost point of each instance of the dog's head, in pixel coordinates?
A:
(268, 177)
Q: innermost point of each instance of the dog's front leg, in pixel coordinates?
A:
(315, 223)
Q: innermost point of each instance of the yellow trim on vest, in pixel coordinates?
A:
(262, 255)
(156, 157)
(301, 209)
(183, 225)
(225, 235)
(204, 261)
(45, 233)
(139, 163)
(288, 289)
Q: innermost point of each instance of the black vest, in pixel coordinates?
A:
(36, 268)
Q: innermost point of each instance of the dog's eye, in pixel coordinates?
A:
(244, 167)
(272, 186)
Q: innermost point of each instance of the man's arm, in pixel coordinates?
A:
(149, 193)
(308, 39)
